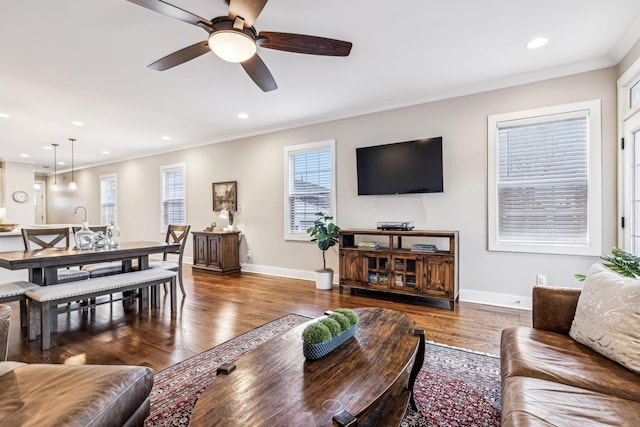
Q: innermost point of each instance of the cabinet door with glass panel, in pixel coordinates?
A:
(377, 269)
(407, 271)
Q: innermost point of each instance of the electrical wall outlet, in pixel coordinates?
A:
(249, 253)
(541, 280)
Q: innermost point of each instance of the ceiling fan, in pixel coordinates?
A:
(234, 39)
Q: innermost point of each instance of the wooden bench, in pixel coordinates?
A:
(43, 301)
(15, 291)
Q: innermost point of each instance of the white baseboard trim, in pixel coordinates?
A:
(478, 297)
(500, 300)
(283, 272)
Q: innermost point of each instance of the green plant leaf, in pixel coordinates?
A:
(621, 262)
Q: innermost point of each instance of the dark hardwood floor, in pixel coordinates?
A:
(218, 308)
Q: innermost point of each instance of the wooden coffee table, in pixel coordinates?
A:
(364, 381)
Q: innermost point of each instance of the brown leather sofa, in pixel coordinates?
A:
(548, 379)
(70, 395)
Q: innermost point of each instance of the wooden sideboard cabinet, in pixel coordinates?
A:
(216, 252)
(394, 267)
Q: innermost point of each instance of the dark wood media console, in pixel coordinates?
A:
(395, 268)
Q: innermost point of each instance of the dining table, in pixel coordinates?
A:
(43, 264)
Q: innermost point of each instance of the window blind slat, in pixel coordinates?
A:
(107, 199)
(542, 182)
(309, 187)
(173, 203)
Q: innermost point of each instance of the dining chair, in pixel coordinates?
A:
(40, 238)
(175, 234)
(101, 268)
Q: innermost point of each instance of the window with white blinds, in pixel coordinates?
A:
(108, 209)
(173, 195)
(309, 186)
(544, 180)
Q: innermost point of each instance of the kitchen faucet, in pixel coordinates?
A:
(86, 213)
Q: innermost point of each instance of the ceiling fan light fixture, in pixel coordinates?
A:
(232, 45)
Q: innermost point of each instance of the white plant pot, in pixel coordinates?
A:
(324, 279)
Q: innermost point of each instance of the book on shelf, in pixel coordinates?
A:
(399, 280)
(368, 245)
(421, 247)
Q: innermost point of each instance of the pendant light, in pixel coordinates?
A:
(55, 167)
(72, 184)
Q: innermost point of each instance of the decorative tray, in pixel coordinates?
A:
(8, 227)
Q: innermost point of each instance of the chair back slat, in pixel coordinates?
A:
(44, 237)
(177, 234)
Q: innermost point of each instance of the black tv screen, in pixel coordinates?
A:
(400, 168)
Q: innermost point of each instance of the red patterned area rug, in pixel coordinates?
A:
(454, 388)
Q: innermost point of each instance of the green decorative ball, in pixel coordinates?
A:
(333, 326)
(342, 320)
(316, 333)
(350, 314)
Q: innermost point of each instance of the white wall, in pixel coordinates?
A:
(18, 177)
(257, 164)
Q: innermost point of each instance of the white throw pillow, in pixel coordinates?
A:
(607, 317)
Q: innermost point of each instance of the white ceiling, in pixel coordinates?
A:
(82, 60)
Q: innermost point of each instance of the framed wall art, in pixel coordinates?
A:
(225, 196)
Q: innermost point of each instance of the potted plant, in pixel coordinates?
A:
(326, 233)
(622, 262)
(322, 337)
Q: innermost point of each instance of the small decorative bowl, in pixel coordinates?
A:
(8, 227)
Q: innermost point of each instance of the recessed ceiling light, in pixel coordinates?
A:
(105, 152)
(76, 123)
(243, 116)
(24, 155)
(47, 147)
(537, 42)
(61, 163)
(4, 115)
(166, 138)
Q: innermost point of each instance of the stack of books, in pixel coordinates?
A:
(368, 245)
(419, 247)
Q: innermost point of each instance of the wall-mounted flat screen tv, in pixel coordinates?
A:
(400, 168)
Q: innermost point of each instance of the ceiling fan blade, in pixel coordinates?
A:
(171, 11)
(246, 9)
(300, 43)
(181, 56)
(259, 73)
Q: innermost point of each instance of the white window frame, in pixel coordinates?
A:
(626, 156)
(593, 246)
(103, 220)
(163, 169)
(299, 149)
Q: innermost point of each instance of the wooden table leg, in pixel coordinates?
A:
(143, 262)
(417, 365)
(36, 276)
(50, 275)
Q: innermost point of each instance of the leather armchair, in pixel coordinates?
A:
(550, 379)
(74, 395)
